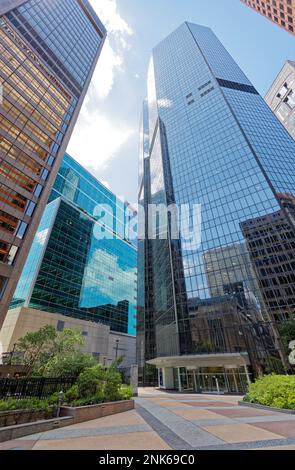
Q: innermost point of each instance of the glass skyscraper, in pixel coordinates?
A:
(48, 50)
(209, 139)
(79, 265)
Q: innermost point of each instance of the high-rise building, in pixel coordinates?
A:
(48, 54)
(209, 140)
(280, 12)
(281, 96)
(81, 271)
(271, 244)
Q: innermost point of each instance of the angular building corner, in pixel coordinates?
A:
(45, 70)
(280, 12)
(281, 96)
(209, 317)
(81, 270)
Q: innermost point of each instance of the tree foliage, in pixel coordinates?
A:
(48, 352)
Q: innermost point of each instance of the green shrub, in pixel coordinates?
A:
(273, 390)
(125, 392)
(33, 404)
(113, 381)
(91, 382)
(86, 401)
(98, 384)
(71, 394)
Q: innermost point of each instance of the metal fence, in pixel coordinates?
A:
(33, 387)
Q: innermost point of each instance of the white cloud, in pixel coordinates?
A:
(165, 103)
(96, 139)
(112, 57)
(109, 65)
(107, 11)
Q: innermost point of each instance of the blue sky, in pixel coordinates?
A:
(105, 139)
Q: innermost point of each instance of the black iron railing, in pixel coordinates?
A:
(34, 387)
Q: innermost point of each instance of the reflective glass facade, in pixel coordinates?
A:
(48, 53)
(213, 141)
(74, 268)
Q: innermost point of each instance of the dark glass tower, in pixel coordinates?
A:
(48, 50)
(210, 139)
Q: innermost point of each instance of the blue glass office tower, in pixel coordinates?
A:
(209, 317)
(48, 53)
(82, 265)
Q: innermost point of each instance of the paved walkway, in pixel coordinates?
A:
(163, 421)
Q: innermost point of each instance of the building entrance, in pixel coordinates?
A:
(214, 380)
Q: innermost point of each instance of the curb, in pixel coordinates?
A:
(268, 408)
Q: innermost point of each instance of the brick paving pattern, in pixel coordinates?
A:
(163, 421)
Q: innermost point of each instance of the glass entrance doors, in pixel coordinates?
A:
(214, 380)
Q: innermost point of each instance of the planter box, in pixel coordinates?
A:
(14, 432)
(269, 408)
(87, 413)
(15, 417)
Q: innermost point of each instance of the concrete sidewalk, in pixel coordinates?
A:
(163, 421)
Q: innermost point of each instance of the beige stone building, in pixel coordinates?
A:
(100, 342)
(281, 96)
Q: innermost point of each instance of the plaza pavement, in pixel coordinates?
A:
(164, 421)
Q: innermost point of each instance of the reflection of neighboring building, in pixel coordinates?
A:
(271, 244)
(229, 272)
(74, 273)
(281, 96)
(222, 325)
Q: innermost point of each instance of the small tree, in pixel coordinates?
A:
(46, 350)
(37, 347)
(71, 364)
(92, 382)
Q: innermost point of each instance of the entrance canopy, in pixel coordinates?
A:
(202, 360)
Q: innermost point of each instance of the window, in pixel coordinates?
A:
(22, 228)
(30, 208)
(7, 253)
(3, 284)
(44, 174)
(38, 190)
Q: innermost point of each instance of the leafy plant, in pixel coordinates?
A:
(87, 401)
(70, 364)
(273, 390)
(37, 347)
(47, 352)
(98, 384)
(71, 394)
(125, 392)
(91, 382)
(26, 404)
(113, 381)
